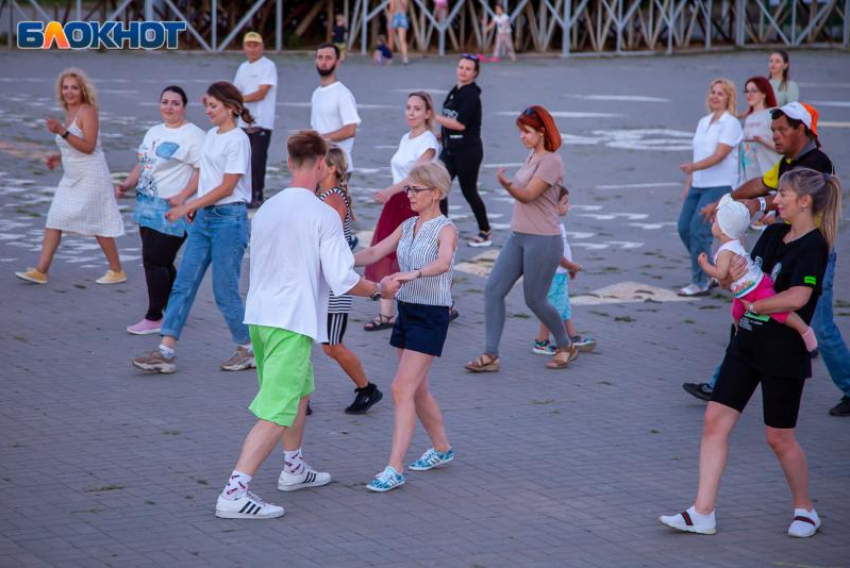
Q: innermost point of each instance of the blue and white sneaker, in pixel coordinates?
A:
(543, 347)
(386, 480)
(431, 459)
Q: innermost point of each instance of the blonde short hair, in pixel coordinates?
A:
(731, 95)
(433, 174)
(86, 87)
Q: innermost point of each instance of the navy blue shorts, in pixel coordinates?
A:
(421, 328)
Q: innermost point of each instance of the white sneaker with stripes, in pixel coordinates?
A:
(308, 477)
(248, 507)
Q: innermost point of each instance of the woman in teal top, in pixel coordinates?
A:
(786, 91)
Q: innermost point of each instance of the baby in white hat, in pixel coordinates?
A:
(731, 221)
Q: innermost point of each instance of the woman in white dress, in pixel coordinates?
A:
(417, 147)
(84, 202)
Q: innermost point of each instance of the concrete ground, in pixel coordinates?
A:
(105, 466)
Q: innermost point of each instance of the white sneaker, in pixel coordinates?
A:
(248, 507)
(805, 523)
(309, 477)
(693, 290)
(686, 523)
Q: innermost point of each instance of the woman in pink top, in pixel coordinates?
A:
(534, 248)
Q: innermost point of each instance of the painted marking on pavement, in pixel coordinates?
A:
(839, 104)
(625, 98)
(640, 185)
(831, 124)
(567, 114)
(627, 293)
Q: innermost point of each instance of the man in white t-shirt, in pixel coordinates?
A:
(256, 79)
(333, 110)
(286, 312)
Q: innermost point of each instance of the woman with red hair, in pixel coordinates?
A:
(758, 154)
(534, 249)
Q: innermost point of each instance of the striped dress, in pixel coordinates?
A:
(417, 252)
(340, 304)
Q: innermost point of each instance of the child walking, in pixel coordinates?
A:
(333, 190)
(559, 293)
(730, 224)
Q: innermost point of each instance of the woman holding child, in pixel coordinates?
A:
(534, 248)
(764, 351)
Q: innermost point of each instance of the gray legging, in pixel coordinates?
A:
(535, 258)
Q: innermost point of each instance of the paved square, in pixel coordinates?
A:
(105, 466)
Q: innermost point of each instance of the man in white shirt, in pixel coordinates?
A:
(256, 79)
(298, 253)
(333, 110)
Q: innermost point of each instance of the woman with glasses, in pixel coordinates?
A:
(534, 248)
(758, 154)
(425, 245)
(463, 151)
(417, 147)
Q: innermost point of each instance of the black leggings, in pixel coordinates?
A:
(260, 140)
(158, 253)
(463, 160)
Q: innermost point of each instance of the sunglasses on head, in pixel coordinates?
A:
(529, 112)
(408, 189)
(471, 56)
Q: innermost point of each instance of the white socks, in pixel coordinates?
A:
(805, 523)
(167, 352)
(292, 461)
(237, 485)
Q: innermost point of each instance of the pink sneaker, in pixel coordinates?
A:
(145, 327)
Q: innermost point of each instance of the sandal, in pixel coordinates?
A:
(481, 240)
(380, 322)
(453, 313)
(484, 364)
(563, 357)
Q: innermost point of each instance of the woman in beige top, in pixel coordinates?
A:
(534, 248)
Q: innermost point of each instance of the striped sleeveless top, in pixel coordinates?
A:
(418, 251)
(340, 304)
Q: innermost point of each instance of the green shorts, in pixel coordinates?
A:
(284, 372)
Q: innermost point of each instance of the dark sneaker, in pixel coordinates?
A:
(701, 391)
(842, 408)
(309, 409)
(365, 399)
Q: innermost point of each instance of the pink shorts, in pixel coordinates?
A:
(762, 291)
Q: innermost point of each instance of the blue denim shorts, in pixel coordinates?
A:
(421, 328)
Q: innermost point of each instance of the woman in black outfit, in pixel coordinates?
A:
(762, 351)
(461, 138)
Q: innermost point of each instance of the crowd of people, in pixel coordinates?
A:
(196, 188)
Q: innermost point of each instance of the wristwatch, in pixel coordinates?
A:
(377, 294)
(762, 204)
(65, 134)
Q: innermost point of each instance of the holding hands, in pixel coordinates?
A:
(389, 287)
(179, 211)
(382, 195)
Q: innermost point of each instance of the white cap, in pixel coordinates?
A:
(733, 217)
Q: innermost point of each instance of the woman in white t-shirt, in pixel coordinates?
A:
(166, 175)
(218, 233)
(419, 146)
(712, 174)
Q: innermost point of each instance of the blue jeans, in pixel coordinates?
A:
(831, 345)
(694, 231)
(219, 236)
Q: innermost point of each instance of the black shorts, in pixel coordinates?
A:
(738, 380)
(421, 328)
(337, 324)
